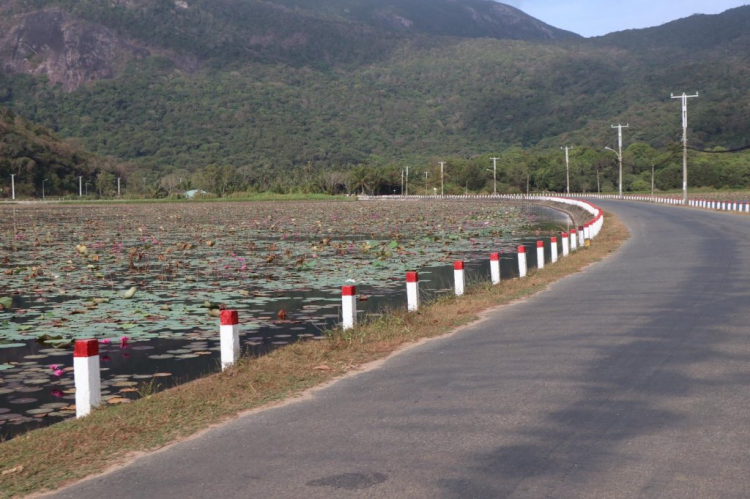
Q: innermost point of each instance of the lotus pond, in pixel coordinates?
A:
(148, 280)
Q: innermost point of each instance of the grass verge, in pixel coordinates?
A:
(50, 457)
(240, 197)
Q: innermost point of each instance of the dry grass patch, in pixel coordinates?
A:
(49, 457)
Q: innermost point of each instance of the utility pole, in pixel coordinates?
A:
(80, 186)
(43, 181)
(567, 169)
(494, 175)
(598, 187)
(13, 186)
(118, 187)
(652, 180)
(684, 97)
(407, 180)
(425, 183)
(619, 154)
(402, 181)
(442, 183)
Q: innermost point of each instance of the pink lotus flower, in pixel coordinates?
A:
(54, 367)
(58, 372)
(124, 342)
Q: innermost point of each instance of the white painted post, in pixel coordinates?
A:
(229, 335)
(586, 232)
(565, 244)
(348, 306)
(573, 240)
(540, 254)
(553, 244)
(87, 376)
(495, 268)
(581, 238)
(412, 291)
(522, 269)
(458, 276)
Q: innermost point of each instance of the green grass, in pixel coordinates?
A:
(265, 196)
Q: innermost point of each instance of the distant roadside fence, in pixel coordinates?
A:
(706, 204)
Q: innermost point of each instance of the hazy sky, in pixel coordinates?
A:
(599, 17)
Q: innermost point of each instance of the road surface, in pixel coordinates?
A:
(631, 379)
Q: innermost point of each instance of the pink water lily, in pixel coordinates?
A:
(106, 341)
(124, 342)
(58, 372)
(54, 367)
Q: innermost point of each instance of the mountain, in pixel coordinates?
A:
(72, 42)
(726, 32)
(280, 85)
(466, 19)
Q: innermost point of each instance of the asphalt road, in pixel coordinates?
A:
(631, 379)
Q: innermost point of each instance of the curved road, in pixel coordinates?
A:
(631, 379)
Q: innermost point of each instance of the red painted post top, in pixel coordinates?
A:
(494, 257)
(540, 244)
(412, 277)
(349, 291)
(458, 265)
(86, 348)
(553, 240)
(229, 318)
(522, 249)
(564, 234)
(573, 231)
(580, 228)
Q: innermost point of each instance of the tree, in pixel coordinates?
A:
(106, 184)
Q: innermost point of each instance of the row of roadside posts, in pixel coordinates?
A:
(86, 353)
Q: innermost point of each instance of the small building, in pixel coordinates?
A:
(194, 192)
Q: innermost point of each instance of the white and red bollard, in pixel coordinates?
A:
(573, 240)
(581, 237)
(565, 244)
(87, 376)
(412, 291)
(540, 254)
(229, 334)
(458, 276)
(348, 307)
(553, 247)
(495, 268)
(522, 267)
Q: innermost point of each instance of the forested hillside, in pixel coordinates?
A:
(259, 90)
(33, 154)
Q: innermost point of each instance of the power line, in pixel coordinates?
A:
(744, 148)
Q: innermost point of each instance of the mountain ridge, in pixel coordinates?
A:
(187, 102)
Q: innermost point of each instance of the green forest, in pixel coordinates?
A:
(348, 109)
